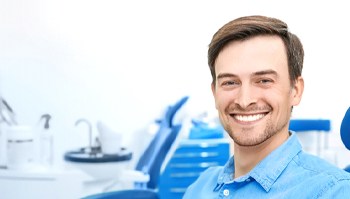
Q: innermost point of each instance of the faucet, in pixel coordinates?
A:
(90, 129)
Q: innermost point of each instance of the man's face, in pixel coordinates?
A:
(252, 92)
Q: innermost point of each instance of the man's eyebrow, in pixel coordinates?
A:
(258, 73)
(223, 75)
(265, 72)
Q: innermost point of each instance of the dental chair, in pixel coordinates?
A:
(345, 133)
(206, 146)
(151, 161)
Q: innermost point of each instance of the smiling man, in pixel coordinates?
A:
(256, 66)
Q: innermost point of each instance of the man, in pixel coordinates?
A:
(256, 66)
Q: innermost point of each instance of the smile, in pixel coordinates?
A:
(249, 118)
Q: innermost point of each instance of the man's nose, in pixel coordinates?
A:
(246, 96)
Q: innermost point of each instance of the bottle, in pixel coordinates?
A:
(46, 143)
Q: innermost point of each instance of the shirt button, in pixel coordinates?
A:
(247, 180)
(226, 192)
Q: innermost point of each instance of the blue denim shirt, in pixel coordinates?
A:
(287, 172)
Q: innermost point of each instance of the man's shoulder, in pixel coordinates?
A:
(322, 178)
(205, 183)
(209, 176)
(321, 167)
(211, 173)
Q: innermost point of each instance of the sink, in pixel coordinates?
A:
(98, 165)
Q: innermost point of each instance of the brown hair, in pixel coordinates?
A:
(247, 27)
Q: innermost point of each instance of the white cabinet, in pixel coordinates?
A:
(53, 184)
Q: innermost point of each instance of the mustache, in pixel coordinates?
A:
(252, 108)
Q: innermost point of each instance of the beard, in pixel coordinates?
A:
(249, 137)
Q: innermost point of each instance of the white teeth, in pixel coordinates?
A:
(249, 118)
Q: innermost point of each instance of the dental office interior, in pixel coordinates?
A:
(101, 96)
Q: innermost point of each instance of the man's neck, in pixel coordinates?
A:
(246, 158)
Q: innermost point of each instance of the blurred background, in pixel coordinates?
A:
(124, 62)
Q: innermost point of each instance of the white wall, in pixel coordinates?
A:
(122, 62)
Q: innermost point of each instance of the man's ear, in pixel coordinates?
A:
(297, 91)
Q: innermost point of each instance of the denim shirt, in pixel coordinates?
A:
(287, 172)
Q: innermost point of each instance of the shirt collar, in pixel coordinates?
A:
(270, 168)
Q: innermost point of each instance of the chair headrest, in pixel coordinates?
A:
(345, 129)
(173, 109)
(310, 125)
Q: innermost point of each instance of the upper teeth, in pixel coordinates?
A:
(249, 118)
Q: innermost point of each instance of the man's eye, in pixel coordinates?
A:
(229, 83)
(265, 81)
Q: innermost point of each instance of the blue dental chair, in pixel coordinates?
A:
(345, 133)
(151, 161)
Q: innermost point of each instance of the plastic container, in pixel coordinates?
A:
(20, 147)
